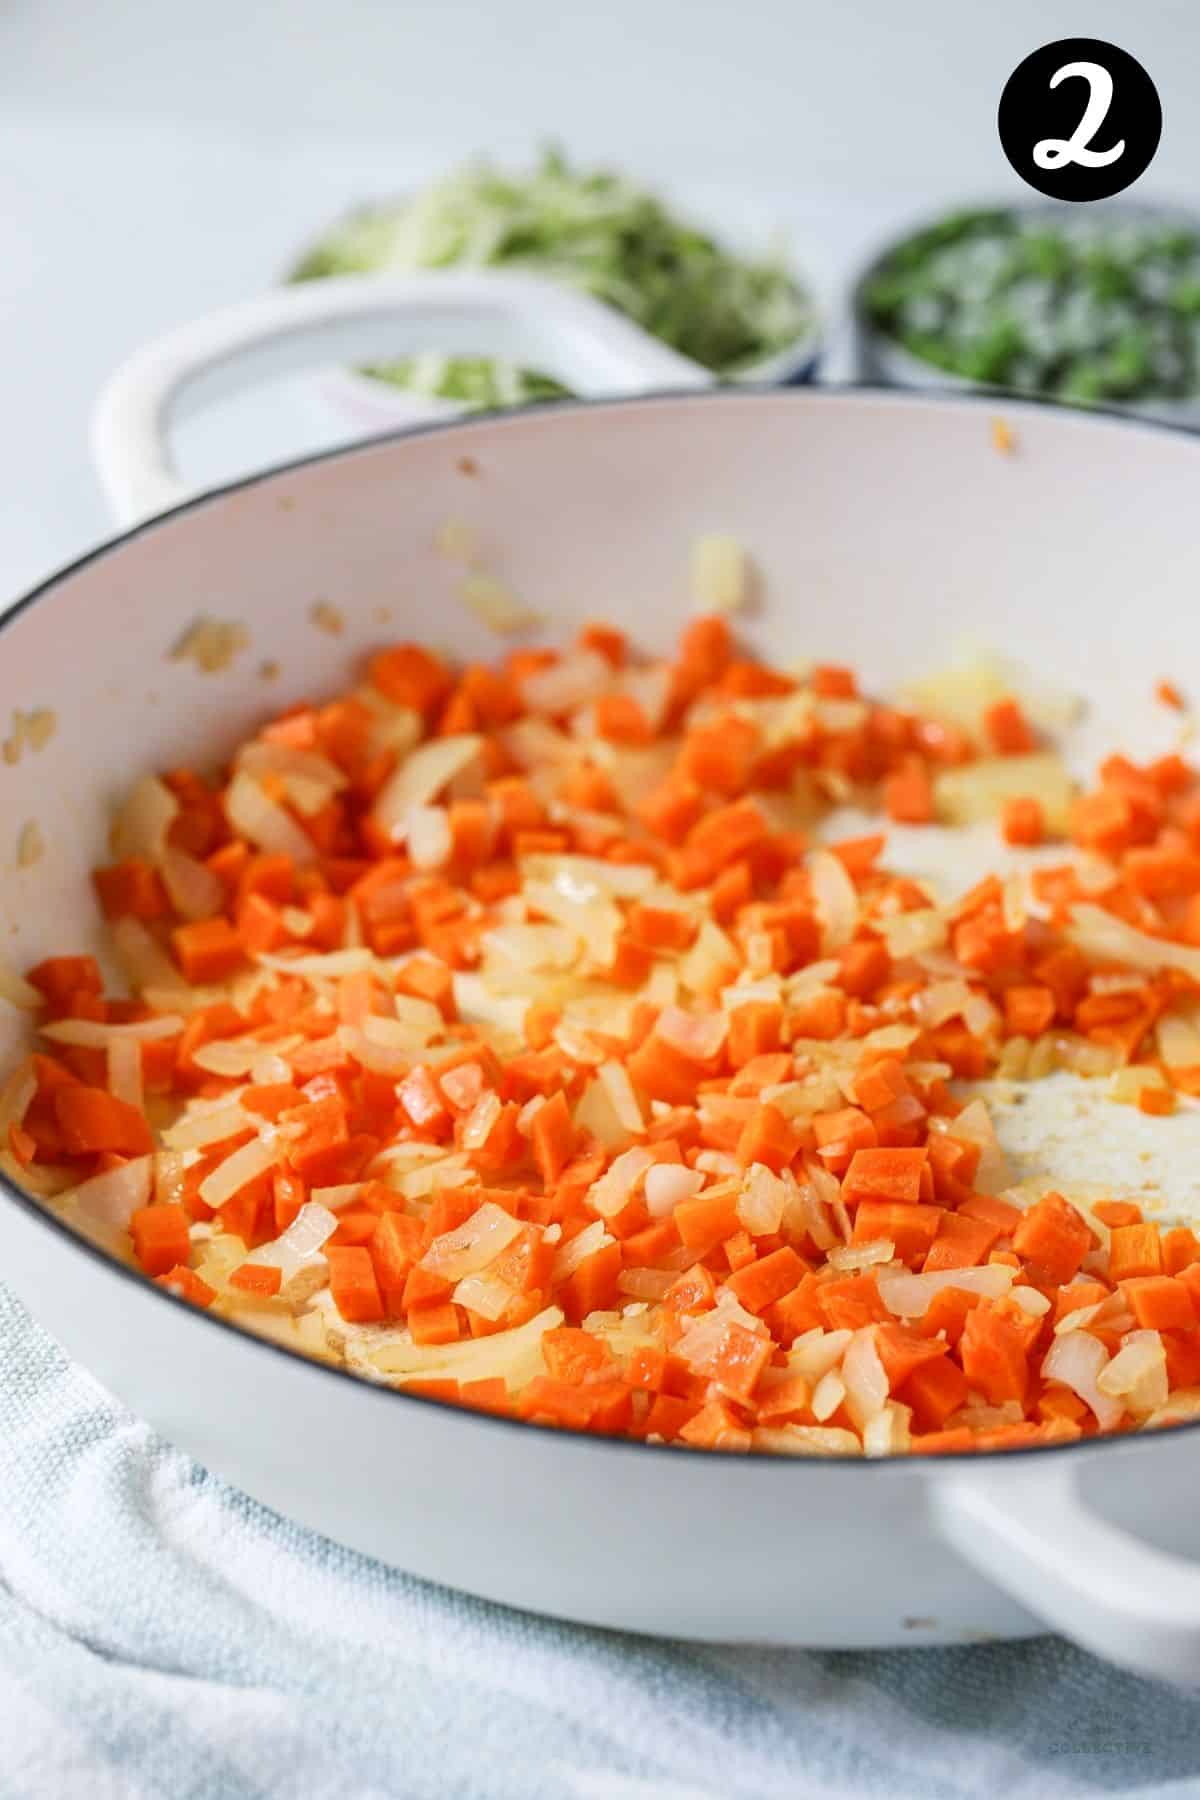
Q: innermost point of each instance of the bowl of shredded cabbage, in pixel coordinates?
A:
(741, 316)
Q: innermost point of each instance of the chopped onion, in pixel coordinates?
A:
(645, 1284)
(1179, 1039)
(144, 962)
(335, 1198)
(328, 965)
(568, 1257)
(299, 1246)
(486, 1295)
(620, 1181)
(1181, 1408)
(16, 1097)
(140, 828)
(1077, 1361)
(125, 1072)
(888, 1433)
(195, 892)
(849, 1257)
(421, 777)
(614, 1078)
(596, 1115)
(303, 766)
(235, 1057)
(864, 1377)
(1137, 1374)
(1104, 938)
(254, 815)
(666, 1184)
(974, 1126)
(472, 1245)
(481, 1120)
(978, 790)
(583, 878)
(908, 1296)
(720, 575)
(196, 1129)
(806, 1440)
(243, 1166)
(113, 1198)
(827, 1395)
(495, 605)
(698, 1036)
(515, 1355)
(16, 990)
(573, 681)
(835, 898)
(1030, 1301)
(428, 836)
(910, 933)
(760, 1204)
(815, 1352)
(92, 1034)
(170, 1177)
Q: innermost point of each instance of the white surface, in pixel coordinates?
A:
(158, 158)
(587, 511)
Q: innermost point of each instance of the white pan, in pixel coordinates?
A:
(875, 520)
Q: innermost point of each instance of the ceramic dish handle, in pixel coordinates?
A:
(584, 344)
(1031, 1531)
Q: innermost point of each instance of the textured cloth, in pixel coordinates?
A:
(162, 1635)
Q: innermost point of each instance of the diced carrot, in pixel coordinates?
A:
(410, 676)
(571, 1354)
(767, 1138)
(553, 1138)
(902, 1351)
(1053, 1239)
(908, 793)
(435, 1323)
(131, 889)
(1160, 1303)
(850, 1303)
(257, 1278)
(1007, 729)
(759, 1284)
(935, 1390)
(593, 1285)
(911, 1228)
(704, 1221)
(160, 1237)
(1133, 1250)
(1029, 1010)
(894, 1175)
(57, 978)
(207, 950)
(1022, 820)
(993, 1355)
(843, 1135)
(961, 1242)
(621, 720)
(92, 1120)
(187, 1285)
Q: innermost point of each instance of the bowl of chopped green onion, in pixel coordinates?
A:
(745, 318)
(1087, 306)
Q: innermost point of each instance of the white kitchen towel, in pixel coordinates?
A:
(162, 1635)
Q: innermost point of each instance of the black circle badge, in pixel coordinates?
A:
(1079, 119)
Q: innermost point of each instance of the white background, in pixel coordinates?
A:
(157, 158)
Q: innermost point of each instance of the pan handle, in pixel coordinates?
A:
(1031, 1531)
(589, 347)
